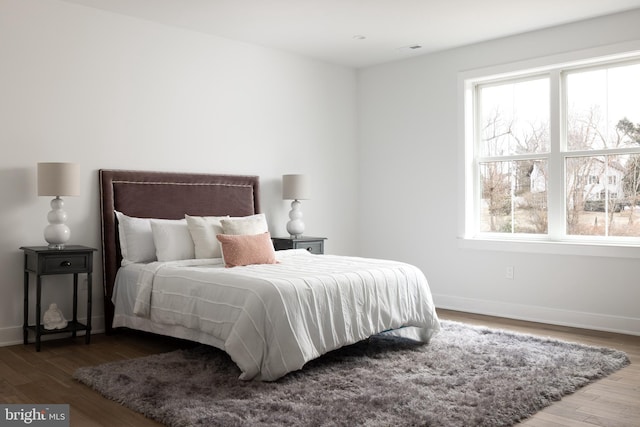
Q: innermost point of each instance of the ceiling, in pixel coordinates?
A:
(360, 33)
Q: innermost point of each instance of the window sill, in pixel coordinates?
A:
(552, 248)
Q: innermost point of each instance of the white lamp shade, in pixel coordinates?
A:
(295, 187)
(58, 179)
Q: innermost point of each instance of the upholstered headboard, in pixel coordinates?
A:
(168, 195)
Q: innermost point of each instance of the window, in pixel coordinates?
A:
(556, 154)
(513, 148)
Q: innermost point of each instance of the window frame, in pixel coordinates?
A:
(556, 240)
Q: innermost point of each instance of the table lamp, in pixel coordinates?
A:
(295, 187)
(58, 179)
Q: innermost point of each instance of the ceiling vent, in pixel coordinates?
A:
(411, 48)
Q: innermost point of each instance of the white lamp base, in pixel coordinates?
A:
(57, 233)
(295, 226)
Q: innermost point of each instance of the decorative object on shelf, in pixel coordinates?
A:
(53, 318)
(295, 187)
(58, 179)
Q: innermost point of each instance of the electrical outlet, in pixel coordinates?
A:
(508, 274)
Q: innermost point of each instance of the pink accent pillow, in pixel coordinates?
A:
(247, 249)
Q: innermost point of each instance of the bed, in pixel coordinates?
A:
(270, 317)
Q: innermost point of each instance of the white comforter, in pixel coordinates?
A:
(275, 318)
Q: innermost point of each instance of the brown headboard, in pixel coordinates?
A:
(168, 195)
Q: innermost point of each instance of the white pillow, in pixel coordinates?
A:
(203, 231)
(172, 239)
(136, 239)
(252, 224)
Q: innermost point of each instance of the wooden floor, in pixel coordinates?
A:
(45, 377)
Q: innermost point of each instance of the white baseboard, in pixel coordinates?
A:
(599, 322)
(13, 335)
(531, 313)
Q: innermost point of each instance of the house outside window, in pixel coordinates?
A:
(556, 153)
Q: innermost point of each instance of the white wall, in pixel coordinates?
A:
(410, 178)
(107, 91)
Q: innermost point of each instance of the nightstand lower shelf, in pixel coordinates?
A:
(71, 328)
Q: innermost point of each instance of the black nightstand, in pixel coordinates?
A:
(315, 245)
(42, 261)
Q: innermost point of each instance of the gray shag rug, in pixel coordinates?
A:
(466, 376)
